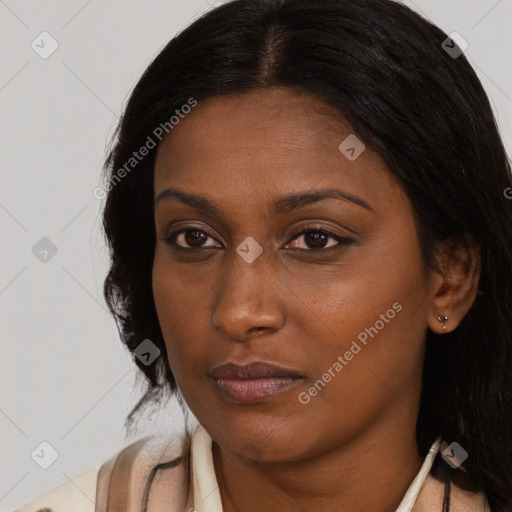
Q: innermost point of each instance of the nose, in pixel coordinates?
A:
(248, 299)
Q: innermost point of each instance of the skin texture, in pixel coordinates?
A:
(352, 447)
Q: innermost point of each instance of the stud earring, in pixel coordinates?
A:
(443, 320)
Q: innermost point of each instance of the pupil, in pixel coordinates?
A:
(194, 236)
(317, 239)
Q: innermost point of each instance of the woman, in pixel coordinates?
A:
(309, 220)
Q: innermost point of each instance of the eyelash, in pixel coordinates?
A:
(342, 241)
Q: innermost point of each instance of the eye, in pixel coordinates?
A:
(317, 239)
(189, 238)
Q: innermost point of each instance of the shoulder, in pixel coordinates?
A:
(127, 481)
(79, 493)
(431, 497)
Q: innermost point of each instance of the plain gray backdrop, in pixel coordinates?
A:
(65, 377)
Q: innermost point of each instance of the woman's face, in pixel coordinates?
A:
(346, 320)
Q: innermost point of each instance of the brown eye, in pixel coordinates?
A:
(318, 239)
(189, 238)
(194, 238)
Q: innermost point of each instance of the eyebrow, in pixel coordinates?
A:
(280, 205)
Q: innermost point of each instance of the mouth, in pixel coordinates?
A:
(253, 382)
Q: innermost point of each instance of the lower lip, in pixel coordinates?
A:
(250, 391)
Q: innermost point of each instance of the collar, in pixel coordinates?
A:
(206, 495)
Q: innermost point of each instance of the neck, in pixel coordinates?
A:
(369, 472)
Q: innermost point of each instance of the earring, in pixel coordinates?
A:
(443, 320)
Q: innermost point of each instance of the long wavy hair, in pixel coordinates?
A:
(423, 110)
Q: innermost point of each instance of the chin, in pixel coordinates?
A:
(262, 443)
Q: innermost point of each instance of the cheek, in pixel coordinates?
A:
(183, 303)
(175, 307)
(177, 292)
(359, 367)
(164, 294)
(372, 317)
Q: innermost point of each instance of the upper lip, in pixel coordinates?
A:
(255, 370)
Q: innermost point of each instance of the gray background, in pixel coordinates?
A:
(66, 379)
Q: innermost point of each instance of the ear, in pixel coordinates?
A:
(455, 289)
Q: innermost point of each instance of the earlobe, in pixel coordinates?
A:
(443, 320)
(456, 288)
(441, 323)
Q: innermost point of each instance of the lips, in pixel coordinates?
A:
(256, 370)
(254, 382)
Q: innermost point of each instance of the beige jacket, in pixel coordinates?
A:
(157, 474)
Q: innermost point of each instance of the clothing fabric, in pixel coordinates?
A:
(162, 474)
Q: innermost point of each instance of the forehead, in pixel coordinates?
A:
(274, 117)
(266, 141)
